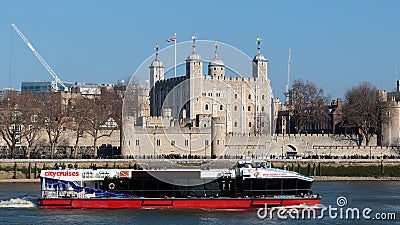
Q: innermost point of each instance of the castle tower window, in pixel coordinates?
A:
(186, 142)
(249, 108)
(262, 108)
(235, 96)
(249, 124)
(249, 96)
(235, 108)
(262, 97)
(235, 124)
(221, 107)
(206, 107)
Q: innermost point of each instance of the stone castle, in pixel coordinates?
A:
(204, 114)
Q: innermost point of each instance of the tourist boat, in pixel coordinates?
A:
(243, 186)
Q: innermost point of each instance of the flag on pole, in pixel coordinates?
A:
(171, 39)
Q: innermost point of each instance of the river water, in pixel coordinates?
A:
(18, 206)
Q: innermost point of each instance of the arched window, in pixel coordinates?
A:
(262, 97)
(221, 107)
(235, 96)
(249, 124)
(235, 124)
(249, 108)
(235, 108)
(249, 96)
(262, 108)
(206, 107)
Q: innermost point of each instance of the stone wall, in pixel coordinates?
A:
(196, 141)
(68, 138)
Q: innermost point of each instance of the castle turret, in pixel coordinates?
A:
(260, 63)
(156, 69)
(216, 66)
(194, 62)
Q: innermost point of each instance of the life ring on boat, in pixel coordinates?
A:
(111, 186)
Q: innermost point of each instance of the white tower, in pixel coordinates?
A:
(260, 63)
(194, 62)
(156, 69)
(216, 66)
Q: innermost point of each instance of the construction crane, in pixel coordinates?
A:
(57, 81)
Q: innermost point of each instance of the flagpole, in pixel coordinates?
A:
(175, 55)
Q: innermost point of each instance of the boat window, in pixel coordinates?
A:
(247, 165)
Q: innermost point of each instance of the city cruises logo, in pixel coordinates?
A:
(61, 173)
(340, 211)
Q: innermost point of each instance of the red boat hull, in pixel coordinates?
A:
(174, 203)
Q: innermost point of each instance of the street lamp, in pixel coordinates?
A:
(205, 149)
(190, 144)
(154, 144)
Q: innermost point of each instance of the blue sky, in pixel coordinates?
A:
(335, 44)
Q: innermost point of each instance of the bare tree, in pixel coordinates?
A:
(79, 117)
(308, 105)
(31, 109)
(99, 112)
(53, 118)
(116, 114)
(363, 109)
(11, 122)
